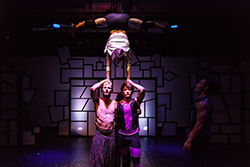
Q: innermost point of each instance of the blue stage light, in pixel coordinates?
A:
(55, 25)
(174, 26)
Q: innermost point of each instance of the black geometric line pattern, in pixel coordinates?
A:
(169, 76)
(152, 74)
(228, 107)
(145, 70)
(16, 92)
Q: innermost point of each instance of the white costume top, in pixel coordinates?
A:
(117, 40)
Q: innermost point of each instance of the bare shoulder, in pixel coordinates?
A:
(114, 102)
(203, 105)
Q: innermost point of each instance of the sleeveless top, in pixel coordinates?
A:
(105, 115)
(127, 117)
(208, 123)
(117, 40)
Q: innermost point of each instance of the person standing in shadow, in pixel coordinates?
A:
(199, 138)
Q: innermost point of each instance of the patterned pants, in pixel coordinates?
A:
(102, 150)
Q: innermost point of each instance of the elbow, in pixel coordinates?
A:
(92, 89)
(143, 91)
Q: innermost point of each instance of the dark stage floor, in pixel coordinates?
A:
(156, 152)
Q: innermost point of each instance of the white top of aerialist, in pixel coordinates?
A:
(117, 40)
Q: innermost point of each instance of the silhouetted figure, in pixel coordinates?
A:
(200, 136)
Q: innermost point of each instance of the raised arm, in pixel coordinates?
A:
(203, 109)
(141, 89)
(128, 64)
(108, 67)
(93, 89)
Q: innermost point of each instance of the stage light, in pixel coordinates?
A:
(55, 25)
(174, 26)
(79, 128)
(145, 128)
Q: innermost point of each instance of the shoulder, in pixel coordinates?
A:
(203, 104)
(134, 102)
(114, 102)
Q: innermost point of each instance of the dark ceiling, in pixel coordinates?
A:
(206, 28)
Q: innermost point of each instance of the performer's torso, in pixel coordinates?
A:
(105, 115)
(128, 117)
(117, 21)
(117, 40)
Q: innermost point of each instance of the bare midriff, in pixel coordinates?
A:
(105, 115)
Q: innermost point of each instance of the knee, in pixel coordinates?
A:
(124, 151)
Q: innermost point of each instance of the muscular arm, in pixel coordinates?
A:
(128, 64)
(93, 89)
(100, 21)
(203, 109)
(135, 23)
(141, 94)
(108, 68)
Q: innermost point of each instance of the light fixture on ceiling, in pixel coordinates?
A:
(56, 25)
